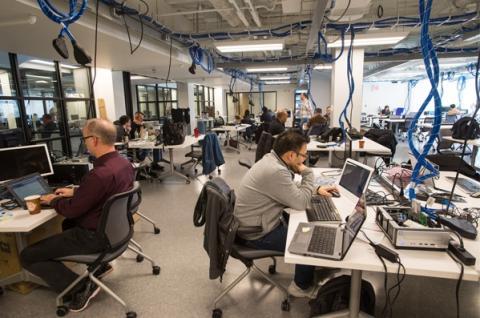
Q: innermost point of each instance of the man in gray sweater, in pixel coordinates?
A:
(267, 189)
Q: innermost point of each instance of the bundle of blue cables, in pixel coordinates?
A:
(202, 57)
(432, 68)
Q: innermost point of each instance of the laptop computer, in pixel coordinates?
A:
(29, 185)
(328, 241)
(351, 185)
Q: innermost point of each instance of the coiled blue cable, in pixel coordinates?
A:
(308, 71)
(75, 12)
(202, 57)
(433, 71)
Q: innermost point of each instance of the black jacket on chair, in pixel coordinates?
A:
(214, 209)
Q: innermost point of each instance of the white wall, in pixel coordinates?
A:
(285, 95)
(220, 100)
(118, 94)
(103, 88)
(321, 88)
(378, 94)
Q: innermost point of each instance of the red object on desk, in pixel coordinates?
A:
(196, 132)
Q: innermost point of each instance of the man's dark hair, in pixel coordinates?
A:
(305, 95)
(123, 120)
(139, 113)
(452, 106)
(289, 140)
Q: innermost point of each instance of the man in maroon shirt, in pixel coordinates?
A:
(82, 209)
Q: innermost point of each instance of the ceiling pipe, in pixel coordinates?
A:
(239, 12)
(31, 19)
(254, 13)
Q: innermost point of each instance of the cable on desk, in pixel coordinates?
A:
(459, 282)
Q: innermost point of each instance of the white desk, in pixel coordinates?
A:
(189, 141)
(361, 256)
(430, 126)
(22, 223)
(395, 122)
(472, 142)
(370, 146)
(228, 130)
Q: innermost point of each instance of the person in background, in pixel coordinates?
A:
(266, 116)
(124, 126)
(82, 208)
(247, 119)
(267, 189)
(306, 110)
(316, 119)
(453, 110)
(385, 111)
(277, 126)
(138, 131)
(48, 126)
(328, 115)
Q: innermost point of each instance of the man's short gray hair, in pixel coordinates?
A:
(103, 129)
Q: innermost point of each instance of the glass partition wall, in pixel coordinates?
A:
(45, 102)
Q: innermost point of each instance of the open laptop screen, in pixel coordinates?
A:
(354, 178)
(26, 186)
(354, 223)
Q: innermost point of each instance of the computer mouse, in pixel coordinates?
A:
(334, 193)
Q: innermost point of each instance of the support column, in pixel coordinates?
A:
(339, 86)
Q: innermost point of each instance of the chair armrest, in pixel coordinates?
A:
(249, 229)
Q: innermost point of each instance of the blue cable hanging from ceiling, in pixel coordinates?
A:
(408, 100)
(433, 71)
(351, 87)
(308, 72)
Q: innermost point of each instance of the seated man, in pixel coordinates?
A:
(277, 126)
(82, 209)
(267, 189)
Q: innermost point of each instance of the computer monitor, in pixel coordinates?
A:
(445, 109)
(18, 162)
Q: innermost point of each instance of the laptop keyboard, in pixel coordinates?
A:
(323, 240)
(324, 209)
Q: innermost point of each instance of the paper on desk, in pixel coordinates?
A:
(5, 215)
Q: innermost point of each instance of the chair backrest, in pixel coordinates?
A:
(399, 111)
(116, 222)
(264, 146)
(317, 129)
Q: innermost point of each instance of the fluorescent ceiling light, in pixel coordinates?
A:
(371, 39)
(266, 69)
(69, 66)
(38, 76)
(250, 46)
(277, 82)
(323, 67)
(41, 82)
(138, 77)
(41, 62)
(473, 38)
(270, 78)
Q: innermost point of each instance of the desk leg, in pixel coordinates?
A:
(474, 155)
(355, 292)
(172, 171)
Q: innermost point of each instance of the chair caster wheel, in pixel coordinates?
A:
(188, 181)
(62, 311)
(286, 305)
(156, 270)
(217, 313)
(196, 171)
(139, 258)
(131, 314)
(156, 230)
(210, 177)
(272, 269)
(219, 171)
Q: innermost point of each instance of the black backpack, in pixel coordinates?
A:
(173, 133)
(461, 129)
(335, 133)
(335, 296)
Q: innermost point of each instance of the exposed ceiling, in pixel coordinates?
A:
(209, 16)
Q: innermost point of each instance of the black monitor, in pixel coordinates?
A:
(18, 162)
(445, 109)
(10, 138)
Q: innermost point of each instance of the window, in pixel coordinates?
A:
(49, 104)
(205, 100)
(259, 99)
(156, 100)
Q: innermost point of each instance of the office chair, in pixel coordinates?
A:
(446, 147)
(265, 145)
(195, 158)
(134, 209)
(156, 229)
(116, 228)
(246, 255)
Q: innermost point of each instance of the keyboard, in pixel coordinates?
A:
(323, 240)
(323, 209)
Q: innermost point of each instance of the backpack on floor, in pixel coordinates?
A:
(335, 296)
(173, 133)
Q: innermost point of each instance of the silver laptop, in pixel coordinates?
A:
(351, 185)
(329, 241)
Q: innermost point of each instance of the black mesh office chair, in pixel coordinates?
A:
(246, 255)
(116, 228)
(265, 145)
(134, 209)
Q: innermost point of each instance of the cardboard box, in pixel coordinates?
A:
(9, 254)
